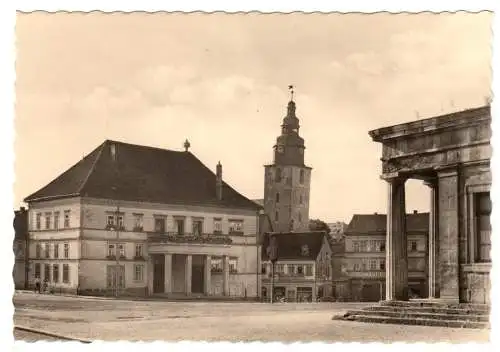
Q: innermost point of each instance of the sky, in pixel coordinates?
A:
(221, 81)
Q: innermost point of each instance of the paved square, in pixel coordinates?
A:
(107, 319)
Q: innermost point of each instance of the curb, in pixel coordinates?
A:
(42, 332)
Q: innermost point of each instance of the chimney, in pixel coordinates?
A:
(218, 181)
(375, 213)
(23, 209)
(415, 212)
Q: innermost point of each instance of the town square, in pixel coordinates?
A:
(200, 185)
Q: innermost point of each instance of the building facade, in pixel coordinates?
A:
(287, 180)
(20, 271)
(365, 256)
(450, 154)
(303, 271)
(138, 220)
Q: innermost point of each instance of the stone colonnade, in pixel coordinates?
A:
(443, 242)
(188, 267)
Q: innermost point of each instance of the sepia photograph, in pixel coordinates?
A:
(252, 177)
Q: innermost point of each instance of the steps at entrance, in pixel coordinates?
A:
(425, 313)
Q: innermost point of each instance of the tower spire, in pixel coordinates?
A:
(291, 89)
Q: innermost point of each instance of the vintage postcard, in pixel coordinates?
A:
(253, 177)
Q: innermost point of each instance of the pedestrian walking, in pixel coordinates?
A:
(37, 284)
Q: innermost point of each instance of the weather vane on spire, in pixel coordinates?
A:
(291, 89)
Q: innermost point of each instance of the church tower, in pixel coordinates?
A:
(287, 180)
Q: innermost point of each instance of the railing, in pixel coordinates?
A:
(174, 237)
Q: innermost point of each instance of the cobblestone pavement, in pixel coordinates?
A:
(94, 318)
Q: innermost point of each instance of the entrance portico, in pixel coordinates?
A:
(451, 155)
(187, 274)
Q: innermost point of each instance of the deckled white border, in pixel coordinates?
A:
(7, 78)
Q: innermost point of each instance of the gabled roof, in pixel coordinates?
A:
(142, 173)
(377, 223)
(291, 245)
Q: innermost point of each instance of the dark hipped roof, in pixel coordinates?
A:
(141, 173)
(290, 245)
(377, 223)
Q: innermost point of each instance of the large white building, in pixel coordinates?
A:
(130, 219)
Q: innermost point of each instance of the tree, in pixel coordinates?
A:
(318, 225)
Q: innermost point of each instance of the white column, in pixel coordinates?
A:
(433, 241)
(189, 273)
(168, 273)
(396, 248)
(150, 274)
(225, 275)
(208, 275)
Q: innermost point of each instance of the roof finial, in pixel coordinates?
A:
(187, 145)
(291, 89)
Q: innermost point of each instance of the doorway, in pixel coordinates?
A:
(198, 275)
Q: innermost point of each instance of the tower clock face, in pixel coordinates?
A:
(281, 149)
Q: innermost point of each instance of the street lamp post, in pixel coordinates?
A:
(272, 252)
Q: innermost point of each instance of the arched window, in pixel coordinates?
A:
(277, 198)
(278, 175)
(276, 216)
(300, 200)
(302, 175)
(300, 217)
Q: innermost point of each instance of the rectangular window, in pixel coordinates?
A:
(382, 265)
(309, 269)
(121, 250)
(138, 251)
(56, 250)
(179, 224)
(38, 221)
(38, 253)
(46, 273)
(197, 227)
(356, 246)
(110, 221)
(356, 267)
(160, 225)
(56, 220)
(217, 226)
(363, 246)
(373, 264)
(483, 227)
(66, 218)
(279, 268)
(263, 269)
(373, 246)
(66, 250)
(363, 266)
(300, 270)
(413, 246)
(233, 265)
(138, 272)
(111, 250)
(47, 250)
(216, 265)
(55, 273)
(37, 270)
(236, 226)
(120, 223)
(138, 222)
(382, 246)
(301, 177)
(47, 220)
(66, 273)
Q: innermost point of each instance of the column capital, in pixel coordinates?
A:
(431, 182)
(447, 170)
(394, 177)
